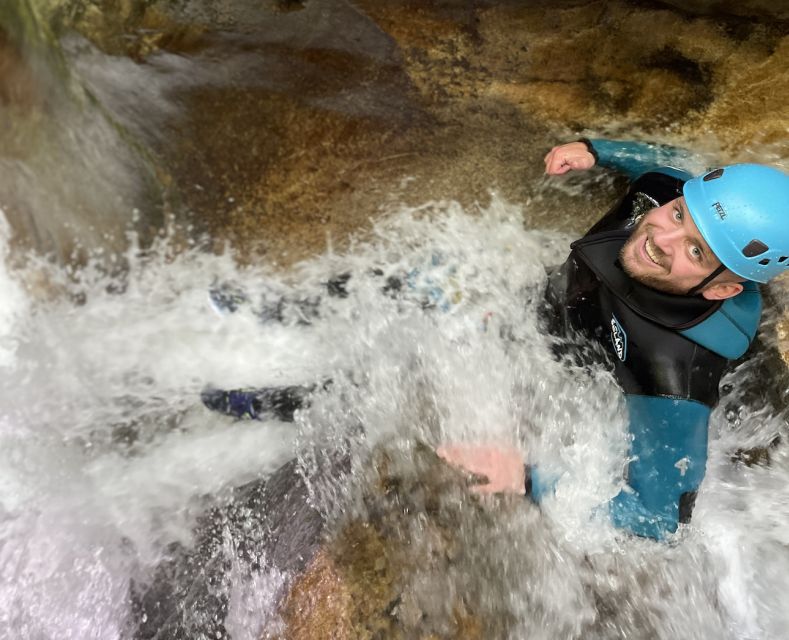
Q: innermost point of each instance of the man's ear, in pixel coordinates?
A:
(722, 290)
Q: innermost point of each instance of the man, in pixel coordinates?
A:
(670, 290)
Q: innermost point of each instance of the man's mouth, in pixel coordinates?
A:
(651, 253)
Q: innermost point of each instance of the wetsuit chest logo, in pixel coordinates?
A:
(618, 338)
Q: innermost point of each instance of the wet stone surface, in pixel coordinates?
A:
(323, 110)
(301, 121)
(397, 567)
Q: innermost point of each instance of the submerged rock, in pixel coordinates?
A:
(385, 573)
(266, 524)
(348, 590)
(367, 576)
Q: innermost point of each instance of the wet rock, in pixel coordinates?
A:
(304, 118)
(759, 456)
(738, 8)
(136, 28)
(782, 334)
(319, 603)
(380, 575)
(70, 176)
(781, 330)
(266, 523)
(343, 589)
(349, 591)
(19, 87)
(653, 68)
(290, 5)
(749, 98)
(290, 186)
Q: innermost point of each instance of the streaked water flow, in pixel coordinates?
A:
(108, 456)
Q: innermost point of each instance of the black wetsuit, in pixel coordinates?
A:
(668, 353)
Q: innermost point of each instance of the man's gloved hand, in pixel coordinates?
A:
(502, 467)
(573, 156)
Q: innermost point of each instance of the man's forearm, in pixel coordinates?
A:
(668, 458)
(636, 158)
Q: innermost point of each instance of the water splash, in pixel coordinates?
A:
(108, 459)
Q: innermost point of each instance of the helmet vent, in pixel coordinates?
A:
(783, 258)
(754, 248)
(765, 261)
(713, 175)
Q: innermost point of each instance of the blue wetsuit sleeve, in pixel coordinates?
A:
(668, 458)
(637, 158)
(538, 486)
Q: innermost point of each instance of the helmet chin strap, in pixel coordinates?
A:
(716, 272)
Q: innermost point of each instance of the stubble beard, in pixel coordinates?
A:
(631, 267)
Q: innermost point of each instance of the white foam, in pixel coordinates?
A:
(14, 301)
(106, 454)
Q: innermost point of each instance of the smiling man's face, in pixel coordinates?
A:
(668, 253)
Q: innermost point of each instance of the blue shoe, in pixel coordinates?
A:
(279, 403)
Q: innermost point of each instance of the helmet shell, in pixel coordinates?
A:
(742, 211)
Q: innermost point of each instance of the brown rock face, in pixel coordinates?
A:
(782, 327)
(608, 65)
(18, 86)
(304, 118)
(135, 28)
(739, 8)
(478, 93)
(295, 180)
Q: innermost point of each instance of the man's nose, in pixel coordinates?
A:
(666, 240)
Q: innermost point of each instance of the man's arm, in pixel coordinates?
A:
(668, 458)
(637, 158)
(626, 156)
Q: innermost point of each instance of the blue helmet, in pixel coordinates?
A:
(742, 211)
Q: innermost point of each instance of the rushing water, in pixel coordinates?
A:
(107, 453)
(109, 462)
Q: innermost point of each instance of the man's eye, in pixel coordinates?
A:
(695, 252)
(677, 214)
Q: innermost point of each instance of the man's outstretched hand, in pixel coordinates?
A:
(502, 467)
(573, 156)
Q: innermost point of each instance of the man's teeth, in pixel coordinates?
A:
(651, 252)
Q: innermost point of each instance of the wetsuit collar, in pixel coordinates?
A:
(601, 253)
